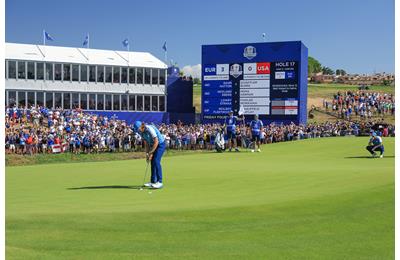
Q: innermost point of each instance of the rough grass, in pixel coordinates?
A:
(21, 160)
(316, 95)
(310, 199)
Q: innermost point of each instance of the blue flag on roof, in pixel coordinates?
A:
(165, 46)
(48, 36)
(125, 42)
(86, 41)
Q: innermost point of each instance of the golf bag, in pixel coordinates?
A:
(220, 142)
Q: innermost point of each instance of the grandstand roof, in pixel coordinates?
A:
(47, 53)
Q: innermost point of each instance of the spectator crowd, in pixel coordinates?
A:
(41, 130)
(364, 104)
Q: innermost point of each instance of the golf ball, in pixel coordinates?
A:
(149, 192)
(141, 188)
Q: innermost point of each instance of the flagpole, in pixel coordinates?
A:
(129, 54)
(44, 38)
(88, 41)
(165, 57)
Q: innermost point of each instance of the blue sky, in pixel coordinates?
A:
(356, 35)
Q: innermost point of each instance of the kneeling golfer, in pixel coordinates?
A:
(155, 147)
(375, 144)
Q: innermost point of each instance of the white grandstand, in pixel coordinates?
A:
(90, 79)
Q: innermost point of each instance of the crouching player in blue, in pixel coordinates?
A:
(256, 126)
(155, 147)
(375, 144)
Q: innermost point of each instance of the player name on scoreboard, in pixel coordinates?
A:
(255, 88)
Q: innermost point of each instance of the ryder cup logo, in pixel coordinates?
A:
(249, 52)
(236, 70)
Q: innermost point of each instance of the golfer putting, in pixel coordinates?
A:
(155, 147)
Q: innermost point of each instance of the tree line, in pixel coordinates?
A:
(314, 66)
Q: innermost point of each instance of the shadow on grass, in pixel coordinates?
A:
(367, 157)
(133, 187)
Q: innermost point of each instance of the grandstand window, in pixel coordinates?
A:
(108, 102)
(31, 99)
(39, 71)
(31, 70)
(40, 99)
(49, 100)
(147, 75)
(5, 66)
(84, 72)
(67, 100)
(49, 71)
(75, 100)
(108, 74)
(116, 74)
(67, 72)
(57, 71)
(12, 98)
(132, 76)
(154, 103)
(75, 72)
(161, 103)
(162, 77)
(21, 99)
(139, 103)
(12, 70)
(154, 76)
(92, 73)
(116, 102)
(83, 101)
(92, 101)
(21, 70)
(139, 75)
(132, 103)
(124, 102)
(100, 74)
(100, 101)
(124, 75)
(57, 100)
(147, 104)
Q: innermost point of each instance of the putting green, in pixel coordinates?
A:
(310, 199)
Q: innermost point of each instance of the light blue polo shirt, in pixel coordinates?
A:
(150, 132)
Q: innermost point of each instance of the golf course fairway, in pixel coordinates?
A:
(310, 199)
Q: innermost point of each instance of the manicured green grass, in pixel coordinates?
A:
(311, 199)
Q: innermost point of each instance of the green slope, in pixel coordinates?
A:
(312, 199)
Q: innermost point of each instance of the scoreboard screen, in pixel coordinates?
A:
(254, 79)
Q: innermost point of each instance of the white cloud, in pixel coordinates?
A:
(194, 71)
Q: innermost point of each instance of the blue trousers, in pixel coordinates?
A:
(156, 170)
(380, 149)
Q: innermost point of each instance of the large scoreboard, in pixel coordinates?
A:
(267, 79)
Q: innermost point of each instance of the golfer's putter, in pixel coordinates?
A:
(145, 175)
